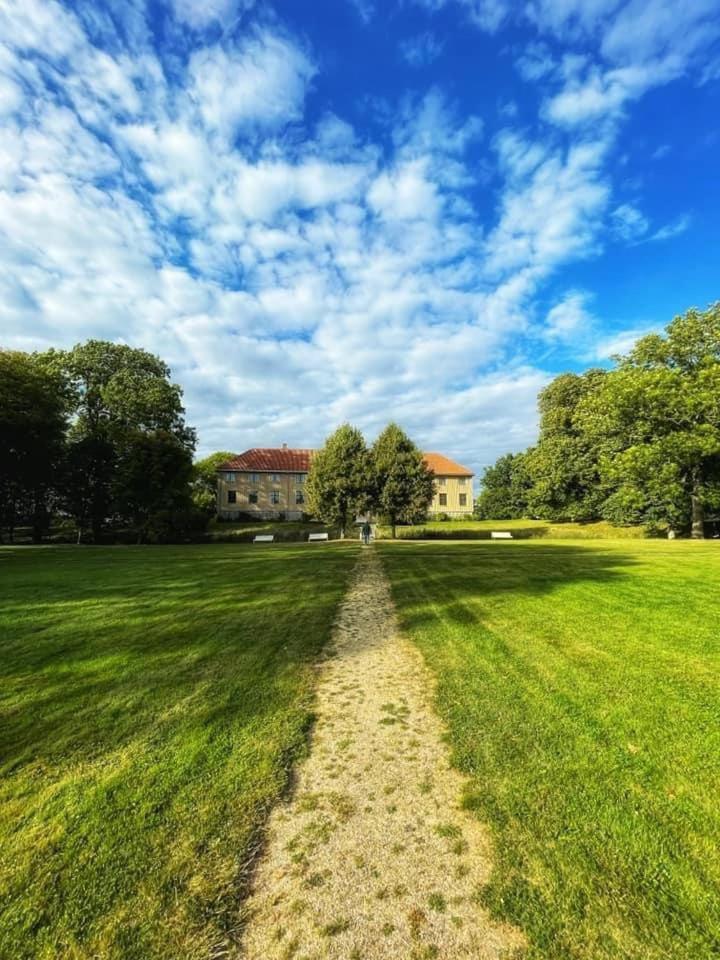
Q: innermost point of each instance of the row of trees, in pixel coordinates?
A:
(95, 434)
(347, 478)
(639, 443)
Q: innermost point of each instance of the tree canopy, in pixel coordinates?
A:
(98, 433)
(204, 480)
(639, 443)
(33, 421)
(338, 482)
(402, 484)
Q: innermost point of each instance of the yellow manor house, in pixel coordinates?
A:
(269, 483)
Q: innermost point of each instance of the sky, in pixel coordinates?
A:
(354, 210)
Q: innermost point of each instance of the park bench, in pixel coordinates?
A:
(312, 537)
(264, 538)
(500, 535)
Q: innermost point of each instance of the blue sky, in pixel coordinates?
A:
(354, 210)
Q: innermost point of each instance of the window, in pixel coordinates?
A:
(300, 477)
(252, 497)
(274, 496)
(254, 478)
(462, 481)
(443, 499)
(463, 499)
(299, 498)
(230, 477)
(275, 477)
(441, 481)
(232, 496)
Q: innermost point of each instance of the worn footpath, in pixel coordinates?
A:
(372, 856)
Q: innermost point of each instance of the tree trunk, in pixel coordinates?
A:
(697, 531)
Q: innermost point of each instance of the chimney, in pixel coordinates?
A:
(284, 446)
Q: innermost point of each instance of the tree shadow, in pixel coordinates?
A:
(462, 574)
(107, 654)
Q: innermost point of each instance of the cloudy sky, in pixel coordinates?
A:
(358, 209)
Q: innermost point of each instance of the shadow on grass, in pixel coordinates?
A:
(469, 572)
(105, 647)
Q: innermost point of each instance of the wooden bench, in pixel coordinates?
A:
(264, 538)
(314, 537)
(500, 535)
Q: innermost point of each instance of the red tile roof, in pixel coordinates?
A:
(270, 460)
(443, 467)
(284, 460)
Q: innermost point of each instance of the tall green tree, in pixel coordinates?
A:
(151, 485)
(563, 467)
(660, 412)
(402, 485)
(33, 416)
(118, 393)
(338, 481)
(204, 480)
(504, 492)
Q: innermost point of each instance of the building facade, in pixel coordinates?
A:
(453, 487)
(264, 483)
(268, 483)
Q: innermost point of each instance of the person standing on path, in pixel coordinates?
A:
(366, 530)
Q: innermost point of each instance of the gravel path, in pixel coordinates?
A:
(372, 857)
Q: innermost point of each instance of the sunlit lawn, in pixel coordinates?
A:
(581, 687)
(521, 530)
(151, 703)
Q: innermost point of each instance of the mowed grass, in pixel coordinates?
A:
(152, 701)
(581, 688)
(520, 529)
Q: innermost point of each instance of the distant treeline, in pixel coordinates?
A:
(96, 437)
(637, 444)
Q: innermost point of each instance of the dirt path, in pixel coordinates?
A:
(372, 857)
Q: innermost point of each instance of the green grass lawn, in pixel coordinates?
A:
(581, 687)
(520, 529)
(284, 531)
(152, 701)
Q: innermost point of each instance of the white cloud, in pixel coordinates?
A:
(261, 83)
(201, 13)
(629, 223)
(405, 193)
(620, 343)
(421, 49)
(600, 95)
(673, 229)
(11, 95)
(569, 318)
(550, 208)
(292, 274)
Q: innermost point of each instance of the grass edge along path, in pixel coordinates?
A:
(372, 857)
(152, 703)
(580, 687)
